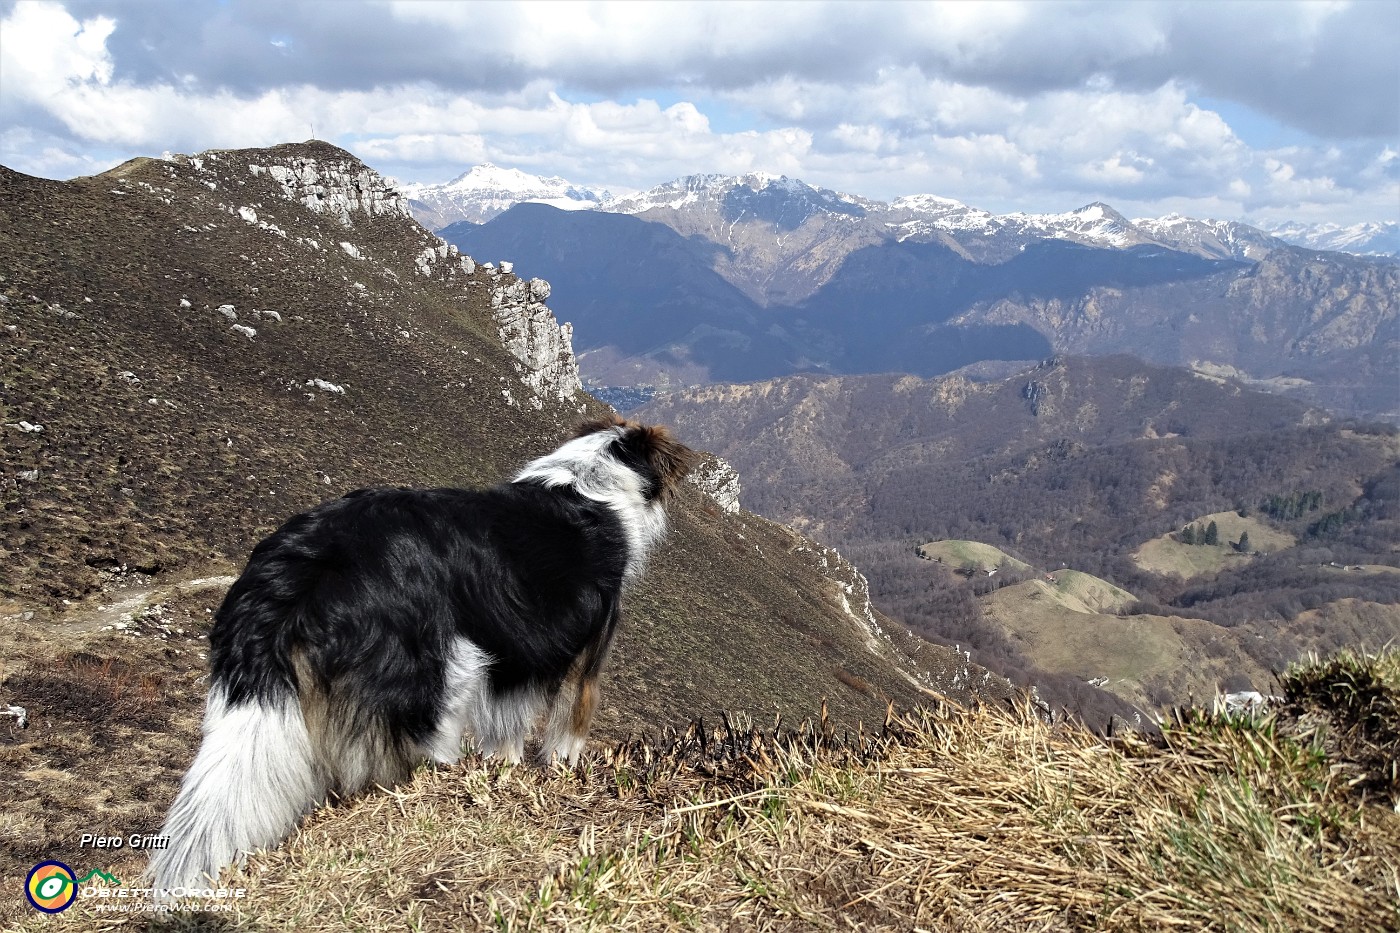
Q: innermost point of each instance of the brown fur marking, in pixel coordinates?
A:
(671, 459)
(584, 705)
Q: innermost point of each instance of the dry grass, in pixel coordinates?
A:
(988, 819)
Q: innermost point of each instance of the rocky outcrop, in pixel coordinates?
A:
(382, 234)
(719, 480)
(338, 187)
(543, 346)
(852, 589)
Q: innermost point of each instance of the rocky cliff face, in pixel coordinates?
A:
(543, 347)
(338, 187)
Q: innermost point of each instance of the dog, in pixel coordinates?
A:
(366, 635)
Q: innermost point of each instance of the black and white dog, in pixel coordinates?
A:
(367, 634)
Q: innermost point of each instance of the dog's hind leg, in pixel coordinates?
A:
(500, 722)
(465, 692)
(570, 718)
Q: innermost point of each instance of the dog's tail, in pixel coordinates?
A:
(253, 778)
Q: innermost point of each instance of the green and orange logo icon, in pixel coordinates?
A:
(51, 887)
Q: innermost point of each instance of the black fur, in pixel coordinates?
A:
(370, 589)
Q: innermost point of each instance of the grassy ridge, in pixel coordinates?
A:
(986, 819)
(1167, 555)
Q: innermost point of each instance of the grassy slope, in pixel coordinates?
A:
(1164, 554)
(974, 554)
(975, 820)
(1143, 656)
(1071, 627)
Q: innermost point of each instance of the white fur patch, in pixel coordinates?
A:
(586, 464)
(499, 724)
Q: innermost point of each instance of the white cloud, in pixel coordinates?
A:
(1014, 106)
(45, 51)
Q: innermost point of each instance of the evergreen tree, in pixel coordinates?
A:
(1188, 534)
(1243, 546)
(1212, 534)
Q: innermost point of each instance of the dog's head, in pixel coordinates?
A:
(650, 451)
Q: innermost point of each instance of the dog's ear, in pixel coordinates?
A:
(669, 459)
(594, 425)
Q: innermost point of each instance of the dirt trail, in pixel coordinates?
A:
(122, 603)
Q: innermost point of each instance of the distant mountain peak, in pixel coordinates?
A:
(485, 190)
(1363, 239)
(489, 176)
(764, 195)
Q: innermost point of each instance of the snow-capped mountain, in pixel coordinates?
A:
(1367, 239)
(737, 211)
(994, 237)
(486, 190)
(1221, 239)
(787, 202)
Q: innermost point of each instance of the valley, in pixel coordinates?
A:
(1080, 521)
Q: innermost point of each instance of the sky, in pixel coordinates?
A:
(1260, 112)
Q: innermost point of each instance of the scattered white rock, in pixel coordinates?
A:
(325, 386)
(351, 250)
(28, 428)
(719, 480)
(228, 312)
(245, 330)
(185, 303)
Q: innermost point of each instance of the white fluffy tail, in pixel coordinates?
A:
(254, 777)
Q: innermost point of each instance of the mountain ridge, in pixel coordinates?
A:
(924, 213)
(1318, 326)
